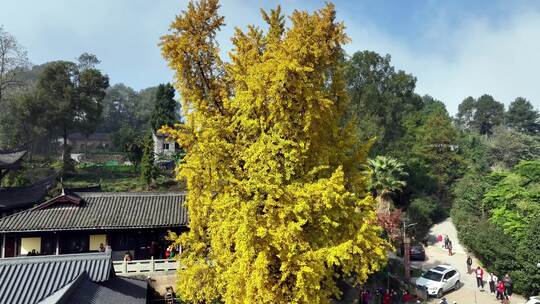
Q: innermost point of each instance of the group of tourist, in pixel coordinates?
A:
(502, 288)
(33, 253)
(388, 296)
(170, 253)
(447, 243)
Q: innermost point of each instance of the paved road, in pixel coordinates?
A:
(468, 293)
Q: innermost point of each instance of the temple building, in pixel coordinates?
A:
(80, 222)
(14, 199)
(10, 160)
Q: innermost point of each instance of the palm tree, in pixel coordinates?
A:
(387, 175)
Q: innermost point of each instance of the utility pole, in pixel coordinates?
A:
(407, 251)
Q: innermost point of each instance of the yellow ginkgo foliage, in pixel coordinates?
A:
(276, 195)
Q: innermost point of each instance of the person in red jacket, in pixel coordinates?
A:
(407, 297)
(500, 290)
(480, 277)
(387, 297)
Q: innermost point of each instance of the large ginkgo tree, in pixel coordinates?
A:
(277, 200)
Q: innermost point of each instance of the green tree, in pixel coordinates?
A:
(488, 114)
(73, 98)
(480, 115)
(165, 108)
(509, 147)
(87, 61)
(91, 86)
(423, 211)
(437, 146)
(523, 117)
(146, 100)
(68, 163)
(465, 114)
(411, 147)
(129, 140)
(512, 202)
(23, 121)
(119, 109)
(276, 196)
(387, 179)
(496, 215)
(380, 98)
(148, 168)
(528, 253)
(474, 152)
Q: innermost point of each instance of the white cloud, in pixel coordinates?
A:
(452, 60)
(478, 58)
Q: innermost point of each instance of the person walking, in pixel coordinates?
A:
(407, 297)
(507, 285)
(127, 256)
(449, 247)
(492, 282)
(469, 264)
(153, 250)
(500, 290)
(387, 297)
(446, 241)
(366, 296)
(480, 277)
(395, 297)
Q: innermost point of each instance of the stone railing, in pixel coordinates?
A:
(138, 267)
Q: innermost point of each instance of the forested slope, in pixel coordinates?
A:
(498, 217)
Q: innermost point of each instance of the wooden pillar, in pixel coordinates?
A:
(3, 245)
(57, 252)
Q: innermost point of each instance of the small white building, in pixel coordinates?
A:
(163, 147)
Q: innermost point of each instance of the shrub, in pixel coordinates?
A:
(483, 227)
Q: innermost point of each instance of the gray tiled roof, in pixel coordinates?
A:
(9, 158)
(114, 291)
(24, 197)
(31, 279)
(103, 210)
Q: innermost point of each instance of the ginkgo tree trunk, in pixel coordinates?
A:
(277, 198)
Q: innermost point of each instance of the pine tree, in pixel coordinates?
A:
(278, 204)
(68, 164)
(164, 112)
(148, 170)
(523, 117)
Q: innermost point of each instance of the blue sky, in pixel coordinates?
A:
(454, 48)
